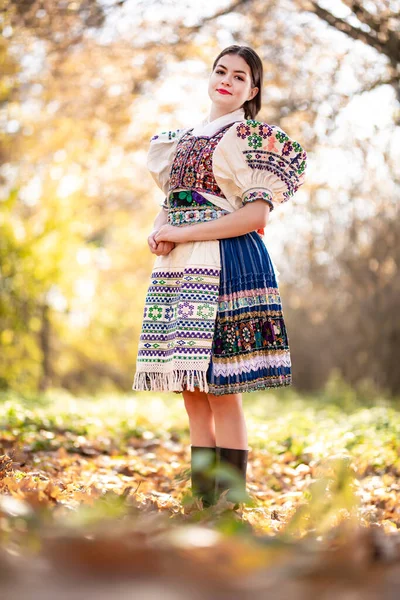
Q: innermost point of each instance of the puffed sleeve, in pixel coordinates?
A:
(255, 160)
(160, 156)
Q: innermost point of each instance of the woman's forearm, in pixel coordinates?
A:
(161, 219)
(249, 218)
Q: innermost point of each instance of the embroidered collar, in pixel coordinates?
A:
(208, 128)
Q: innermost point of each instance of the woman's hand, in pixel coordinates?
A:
(170, 233)
(159, 248)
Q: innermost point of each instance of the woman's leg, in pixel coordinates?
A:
(201, 420)
(231, 445)
(202, 436)
(230, 425)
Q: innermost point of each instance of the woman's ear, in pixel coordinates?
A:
(253, 93)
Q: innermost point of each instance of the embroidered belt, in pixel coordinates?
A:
(188, 206)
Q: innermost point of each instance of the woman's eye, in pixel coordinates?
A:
(222, 72)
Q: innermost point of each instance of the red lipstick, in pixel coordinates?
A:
(222, 91)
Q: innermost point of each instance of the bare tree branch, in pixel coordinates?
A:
(364, 16)
(348, 29)
(383, 37)
(224, 11)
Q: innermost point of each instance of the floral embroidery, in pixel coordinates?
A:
(230, 337)
(281, 136)
(205, 311)
(155, 312)
(185, 196)
(287, 148)
(243, 130)
(254, 141)
(189, 197)
(244, 334)
(273, 332)
(186, 309)
(247, 334)
(265, 130)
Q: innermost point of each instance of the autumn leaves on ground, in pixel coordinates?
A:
(101, 487)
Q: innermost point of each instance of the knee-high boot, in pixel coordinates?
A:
(236, 459)
(203, 461)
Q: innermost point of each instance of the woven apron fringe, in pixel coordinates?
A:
(171, 382)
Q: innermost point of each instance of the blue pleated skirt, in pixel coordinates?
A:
(250, 350)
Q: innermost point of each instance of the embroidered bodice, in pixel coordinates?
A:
(192, 164)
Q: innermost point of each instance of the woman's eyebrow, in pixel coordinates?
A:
(244, 72)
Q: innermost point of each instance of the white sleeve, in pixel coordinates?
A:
(255, 161)
(161, 154)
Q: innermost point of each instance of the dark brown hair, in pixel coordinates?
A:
(251, 107)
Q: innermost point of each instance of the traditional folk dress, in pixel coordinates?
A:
(213, 314)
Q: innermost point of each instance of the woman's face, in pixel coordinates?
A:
(231, 73)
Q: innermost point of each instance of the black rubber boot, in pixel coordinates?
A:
(237, 459)
(203, 461)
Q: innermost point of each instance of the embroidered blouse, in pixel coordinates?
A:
(230, 161)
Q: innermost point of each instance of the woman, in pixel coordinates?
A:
(213, 325)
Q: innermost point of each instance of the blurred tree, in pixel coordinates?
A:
(376, 24)
(65, 202)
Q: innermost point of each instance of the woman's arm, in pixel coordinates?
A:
(159, 247)
(250, 217)
(161, 219)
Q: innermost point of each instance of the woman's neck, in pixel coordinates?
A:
(216, 112)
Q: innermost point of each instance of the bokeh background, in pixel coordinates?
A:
(84, 84)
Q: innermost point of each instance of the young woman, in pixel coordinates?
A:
(213, 325)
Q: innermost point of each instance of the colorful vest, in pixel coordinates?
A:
(192, 170)
(192, 165)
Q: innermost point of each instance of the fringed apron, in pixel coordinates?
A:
(179, 319)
